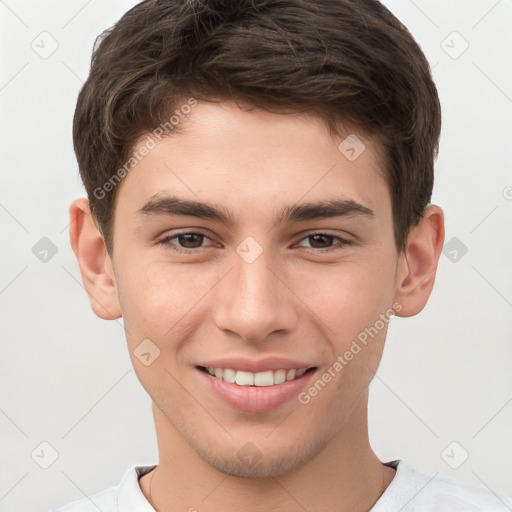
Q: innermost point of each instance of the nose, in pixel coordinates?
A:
(254, 302)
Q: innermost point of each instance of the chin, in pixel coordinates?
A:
(262, 467)
(250, 462)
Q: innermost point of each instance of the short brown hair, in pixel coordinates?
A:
(350, 61)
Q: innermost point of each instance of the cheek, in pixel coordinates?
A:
(348, 297)
(157, 304)
(160, 301)
(150, 300)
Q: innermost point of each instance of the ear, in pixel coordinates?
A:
(417, 264)
(95, 263)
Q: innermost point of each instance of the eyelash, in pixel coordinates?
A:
(166, 242)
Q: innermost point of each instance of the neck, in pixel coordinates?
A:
(345, 475)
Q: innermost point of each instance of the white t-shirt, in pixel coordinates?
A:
(409, 491)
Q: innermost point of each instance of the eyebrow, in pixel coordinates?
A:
(171, 205)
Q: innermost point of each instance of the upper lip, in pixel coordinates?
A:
(257, 365)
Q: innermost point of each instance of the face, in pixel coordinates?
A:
(251, 245)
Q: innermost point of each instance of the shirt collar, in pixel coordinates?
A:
(130, 497)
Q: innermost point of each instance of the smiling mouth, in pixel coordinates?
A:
(260, 379)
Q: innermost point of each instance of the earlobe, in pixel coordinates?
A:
(94, 261)
(417, 265)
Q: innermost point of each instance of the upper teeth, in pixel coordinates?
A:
(268, 378)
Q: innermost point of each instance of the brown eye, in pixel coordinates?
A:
(186, 242)
(190, 240)
(324, 242)
(320, 241)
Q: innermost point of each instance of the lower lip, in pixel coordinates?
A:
(256, 398)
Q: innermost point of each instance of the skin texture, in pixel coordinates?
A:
(295, 300)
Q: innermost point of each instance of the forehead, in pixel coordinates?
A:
(254, 160)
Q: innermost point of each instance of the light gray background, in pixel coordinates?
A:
(66, 377)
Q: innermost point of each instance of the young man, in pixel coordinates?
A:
(258, 177)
